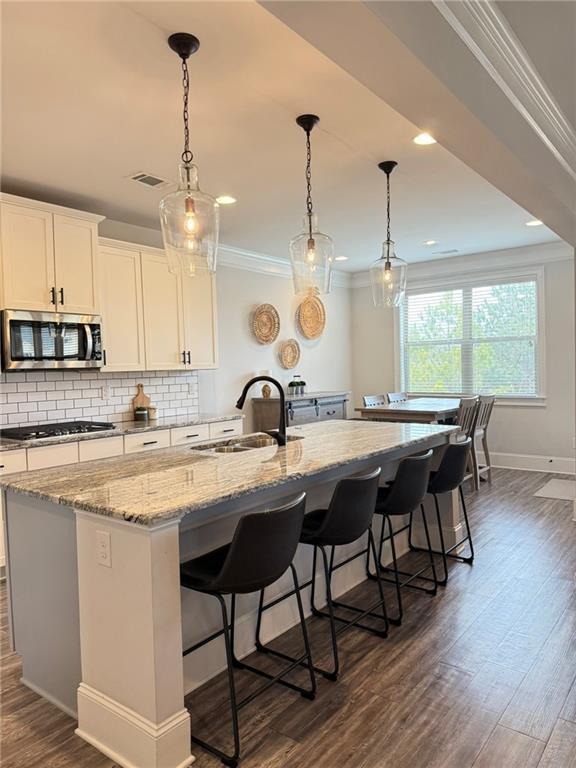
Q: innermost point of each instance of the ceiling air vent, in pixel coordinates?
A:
(446, 253)
(149, 180)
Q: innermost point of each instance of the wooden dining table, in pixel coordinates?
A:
(427, 410)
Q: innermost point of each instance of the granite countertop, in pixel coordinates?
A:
(306, 395)
(146, 488)
(120, 428)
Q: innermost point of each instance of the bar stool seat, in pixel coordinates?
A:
(201, 572)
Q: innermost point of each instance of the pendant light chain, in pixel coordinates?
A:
(309, 208)
(388, 219)
(187, 155)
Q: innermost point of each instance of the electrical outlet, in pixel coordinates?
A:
(103, 551)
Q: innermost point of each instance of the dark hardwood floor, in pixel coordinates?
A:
(481, 676)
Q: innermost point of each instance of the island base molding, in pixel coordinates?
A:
(129, 739)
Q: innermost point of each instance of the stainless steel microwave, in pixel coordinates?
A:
(43, 340)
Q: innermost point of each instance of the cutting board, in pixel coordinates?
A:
(141, 400)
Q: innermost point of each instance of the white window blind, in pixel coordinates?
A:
(472, 338)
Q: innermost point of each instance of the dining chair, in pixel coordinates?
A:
(485, 406)
(397, 397)
(374, 401)
(466, 420)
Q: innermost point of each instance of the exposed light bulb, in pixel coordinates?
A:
(387, 274)
(311, 252)
(190, 220)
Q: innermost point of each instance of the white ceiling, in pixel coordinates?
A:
(91, 93)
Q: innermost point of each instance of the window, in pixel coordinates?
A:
(472, 338)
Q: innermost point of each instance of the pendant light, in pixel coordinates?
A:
(311, 252)
(189, 217)
(388, 274)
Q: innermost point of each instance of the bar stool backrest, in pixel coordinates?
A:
(452, 470)
(396, 397)
(374, 401)
(351, 509)
(467, 413)
(485, 405)
(409, 487)
(263, 547)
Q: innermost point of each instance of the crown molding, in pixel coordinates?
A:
(487, 34)
(253, 261)
(519, 259)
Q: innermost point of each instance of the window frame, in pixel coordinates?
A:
(469, 281)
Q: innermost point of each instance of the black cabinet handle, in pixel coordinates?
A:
(184, 357)
(2, 466)
(330, 413)
(150, 442)
(189, 358)
(61, 295)
(227, 430)
(317, 407)
(104, 356)
(195, 435)
(52, 295)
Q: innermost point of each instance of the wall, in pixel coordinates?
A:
(325, 364)
(41, 396)
(528, 435)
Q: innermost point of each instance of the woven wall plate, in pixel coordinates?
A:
(289, 353)
(265, 323)
(311, 317)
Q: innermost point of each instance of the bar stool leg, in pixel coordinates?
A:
(398, 619)
(468, 534)
(430, 555)
(230, 760)
(311, 694)
(334, 674)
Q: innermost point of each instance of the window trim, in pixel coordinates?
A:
(471, 280)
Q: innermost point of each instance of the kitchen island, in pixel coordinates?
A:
(93, 555)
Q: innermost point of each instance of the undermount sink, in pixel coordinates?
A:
(230, 449)
(248, 443)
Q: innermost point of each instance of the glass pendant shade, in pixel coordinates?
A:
(388, 278)
(189, 220)
(311, 255)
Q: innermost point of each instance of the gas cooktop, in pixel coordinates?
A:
(58, 429)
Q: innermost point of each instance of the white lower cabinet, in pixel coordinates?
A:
(52, 455)
(147, 441)
(226, 428)
(101, 448)
(187, 435)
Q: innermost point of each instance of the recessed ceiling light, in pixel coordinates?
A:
(430, 242)
(226, 200)
(424, 138)
(341, 258)
(534, 223)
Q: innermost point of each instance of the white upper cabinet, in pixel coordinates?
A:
(76, 259)
(49, 257)
(163, 315)
(121, 306)
(200, 320)
(27, 258)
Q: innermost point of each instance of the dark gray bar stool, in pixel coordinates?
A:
(447, 478)
(347, 519)
(262, 549)
(402, 497)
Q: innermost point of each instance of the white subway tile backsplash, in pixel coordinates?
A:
(40, 396)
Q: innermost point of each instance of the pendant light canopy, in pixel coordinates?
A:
(311, 252)
(189, 217)
(388, 274)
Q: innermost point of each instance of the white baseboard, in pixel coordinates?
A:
(128, 738)
(532, 463)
